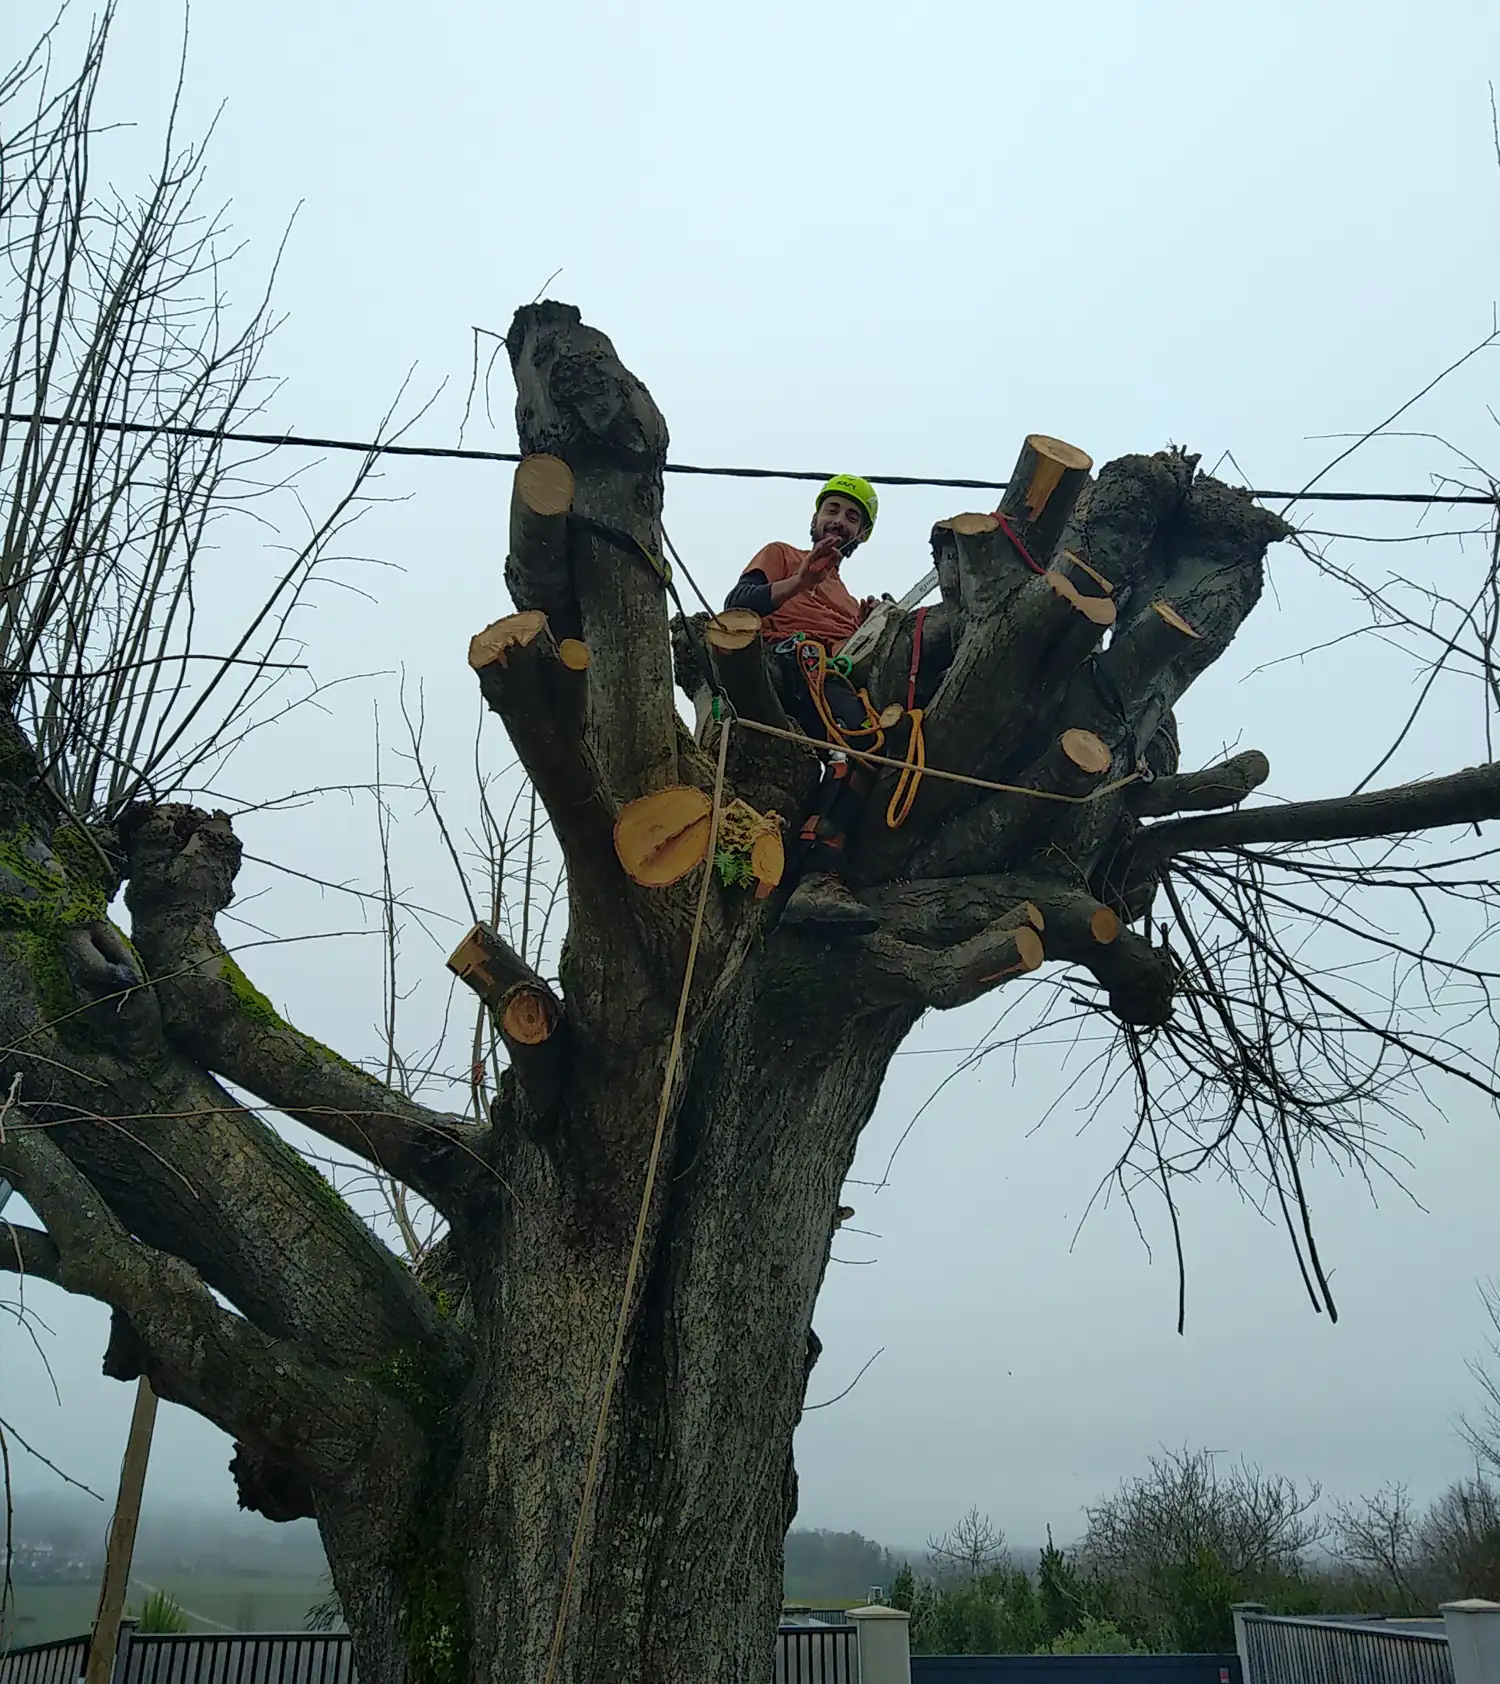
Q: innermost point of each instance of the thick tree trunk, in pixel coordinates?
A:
(679, 1567)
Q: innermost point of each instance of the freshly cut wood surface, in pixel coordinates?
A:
(660, 837)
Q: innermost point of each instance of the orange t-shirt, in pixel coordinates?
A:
(827, 612)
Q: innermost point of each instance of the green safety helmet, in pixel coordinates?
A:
(857, 490)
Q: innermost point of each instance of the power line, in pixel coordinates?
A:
(302, 441)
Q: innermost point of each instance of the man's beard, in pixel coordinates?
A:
(847, 546)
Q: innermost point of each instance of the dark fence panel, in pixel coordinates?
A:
(1304, 1651)
(1076, 1669)
(817, 1654)
(45, 1663)
(299, 1657)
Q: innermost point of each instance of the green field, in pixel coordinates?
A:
(238, 1601)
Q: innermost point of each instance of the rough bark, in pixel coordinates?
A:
(439, 1423)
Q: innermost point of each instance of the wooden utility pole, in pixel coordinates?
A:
(106, 1634)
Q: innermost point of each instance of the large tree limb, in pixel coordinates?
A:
(182, 1164)
(1190, 557)
(183, 863)
(577, 401)
(1467, 797)
(1023, 641)
(29, 1251)
(944, 942)
(771, 772)
(529, 1016)
(541, 692)
(260, 1389)
(1223, 785)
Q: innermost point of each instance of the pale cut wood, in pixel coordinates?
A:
(485, 964)
(529, 1016)
(767, 861)
(490, 645)
(889, 716)
(544, 484)
(1054, 458)
(1104, 925)
(742, 667)
(968, 525)
(1029, 954)
(1045, 483)
(574, 654)
(660, 837)
(537, 572)
(1087, 752)
(732, 628)
(1099, 609)
(1076, 560)
(1029, 947)
(1024, 912)
(1174, 619)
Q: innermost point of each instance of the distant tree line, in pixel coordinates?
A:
(1163, 1561)
(831, 1567)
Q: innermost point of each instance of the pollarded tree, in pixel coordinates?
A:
(562, 1449)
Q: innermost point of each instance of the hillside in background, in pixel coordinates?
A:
(240, 1572)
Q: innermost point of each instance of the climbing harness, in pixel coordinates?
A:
(815, 664)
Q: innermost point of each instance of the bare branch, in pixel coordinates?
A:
(259, 1389)
(182, 865)
(1466, 797)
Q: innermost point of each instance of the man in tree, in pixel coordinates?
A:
(805, 607)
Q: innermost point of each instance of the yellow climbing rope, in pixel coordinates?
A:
(905, 792)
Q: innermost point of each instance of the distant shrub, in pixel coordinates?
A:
(161, 1615)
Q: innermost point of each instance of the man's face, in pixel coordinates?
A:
(840, 518)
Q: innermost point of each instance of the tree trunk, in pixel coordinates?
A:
(680, 1570)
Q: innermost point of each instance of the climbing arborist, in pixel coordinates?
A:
(807, 614)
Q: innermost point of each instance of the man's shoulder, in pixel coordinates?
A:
(776, 561)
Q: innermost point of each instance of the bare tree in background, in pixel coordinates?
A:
(561, 1448)
(1483, 1430)
(970, 1549)
(1458, 1542)
(1252, 1522)
(1377, 1537)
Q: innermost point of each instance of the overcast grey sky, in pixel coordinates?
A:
(886, 239)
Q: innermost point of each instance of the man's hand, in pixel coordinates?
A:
(814, 569)
(821, 559)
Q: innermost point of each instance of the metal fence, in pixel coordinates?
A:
(817, 1654)
(821, 1653)
(297, 1657)
(1283, 1650)
(45, 1663)
(1075, 1669)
